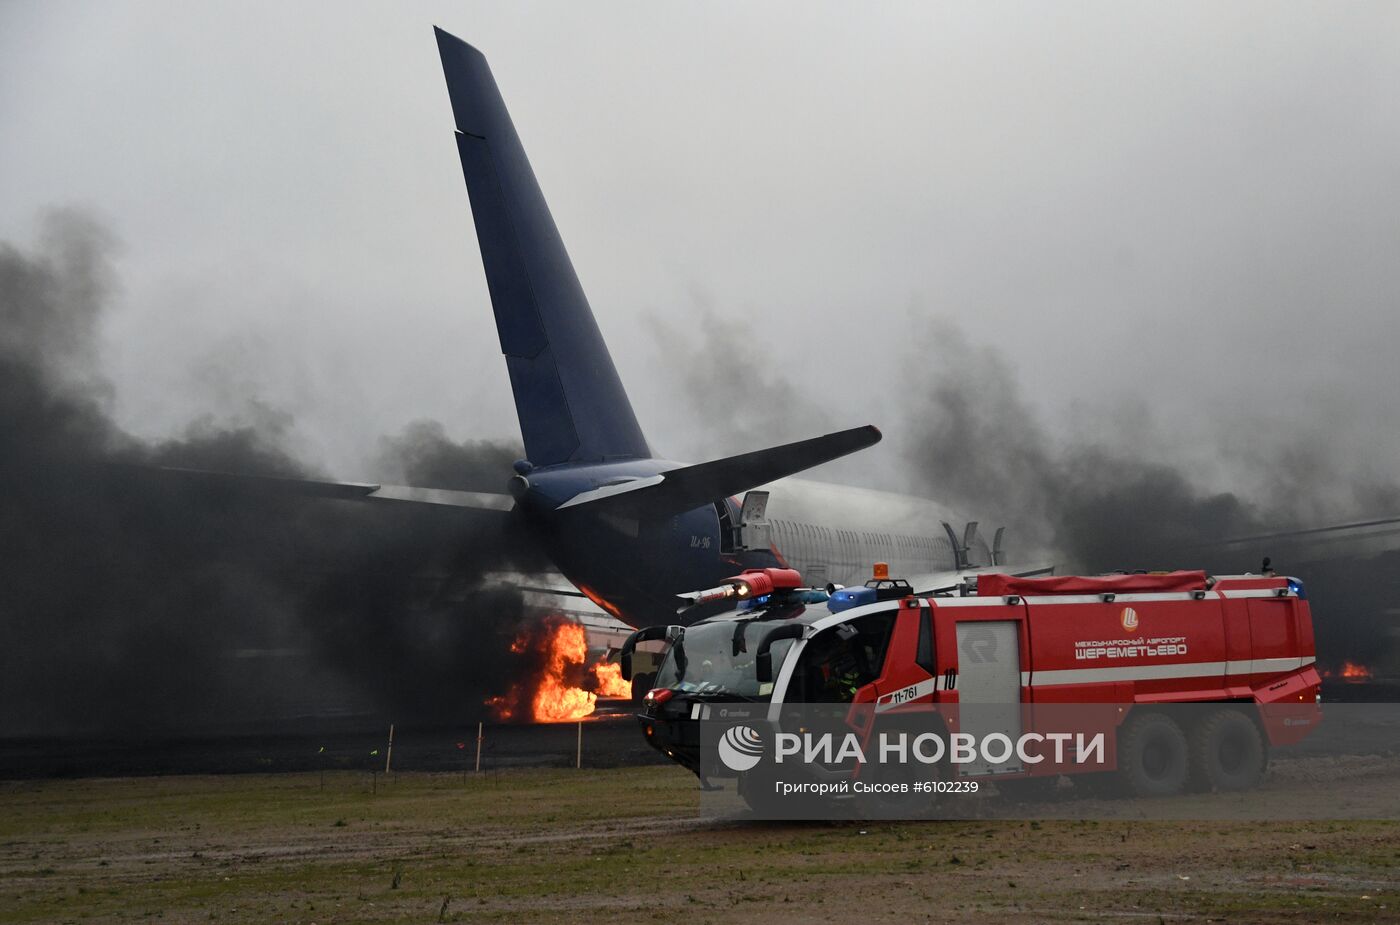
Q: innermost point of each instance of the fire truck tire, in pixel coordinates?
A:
(902, 798)
(1228, 752)
(755, 789)
(1097, 786)
(641, 684)
(1153, 755)
(1029, 789)
(749, 786)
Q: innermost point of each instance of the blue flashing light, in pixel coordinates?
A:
(1297, 588)
(847, 598)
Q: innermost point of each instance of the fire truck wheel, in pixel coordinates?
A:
(641, 684)
(1153, 755)
(1029, 789)
(1101, 785)
(1228, 752)
(756, 788)
(750, 787)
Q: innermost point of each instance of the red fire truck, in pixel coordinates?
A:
(1191, 678)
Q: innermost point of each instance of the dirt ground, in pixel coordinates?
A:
(628, 844)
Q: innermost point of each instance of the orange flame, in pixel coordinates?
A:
(555, 700)
(610, 683)
(501, 707)
(554, 695)
(1354, 671)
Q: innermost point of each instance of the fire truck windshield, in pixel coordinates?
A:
(703, 662)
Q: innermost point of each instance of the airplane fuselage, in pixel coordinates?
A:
(634, 567)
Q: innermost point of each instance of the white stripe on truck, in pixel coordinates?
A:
(1170, 670)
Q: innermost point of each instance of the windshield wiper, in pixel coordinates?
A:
(726, 694)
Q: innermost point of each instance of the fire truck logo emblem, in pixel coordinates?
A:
(1130, 619)
(979, 645)
(740, 748)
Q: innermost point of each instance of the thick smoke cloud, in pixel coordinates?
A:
(743, 388)
(1116, 492)
(1095, 501)
(133, 602)
(722, 367)
(423, 454)
(973, 440)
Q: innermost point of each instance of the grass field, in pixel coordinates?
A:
(626, 845)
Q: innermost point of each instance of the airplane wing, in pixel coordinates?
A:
(338, 490)
(348, 491)
(949, 581)
(1358, 540)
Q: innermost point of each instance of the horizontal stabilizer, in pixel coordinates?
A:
(347, 491)
(692, 486)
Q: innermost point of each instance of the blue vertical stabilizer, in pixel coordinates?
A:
(570, 402)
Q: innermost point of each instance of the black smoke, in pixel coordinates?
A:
(131, 601)
(423, 454)
(1098, 501)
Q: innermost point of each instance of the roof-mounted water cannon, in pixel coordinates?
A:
(751, 583)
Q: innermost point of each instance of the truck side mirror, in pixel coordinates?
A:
(627, 667)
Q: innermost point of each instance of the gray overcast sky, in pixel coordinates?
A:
(1190, 209)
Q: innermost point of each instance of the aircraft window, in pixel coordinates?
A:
(833, 669)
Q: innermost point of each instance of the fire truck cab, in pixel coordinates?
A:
(1193, 678)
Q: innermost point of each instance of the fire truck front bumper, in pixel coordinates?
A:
(672, 732)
